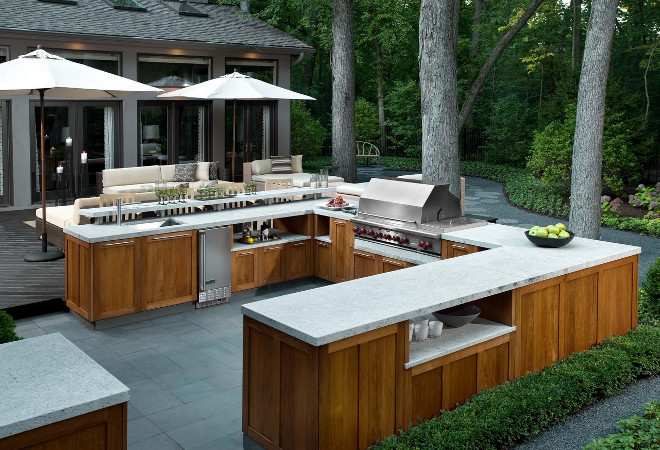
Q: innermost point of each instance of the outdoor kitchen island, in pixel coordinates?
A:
(333, 367)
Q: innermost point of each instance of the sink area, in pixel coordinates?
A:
(156, 224)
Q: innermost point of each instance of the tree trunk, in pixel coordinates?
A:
(577, 34)
(584, 219)
(438, 40)
(503, 43)
(476, 24)
(381, 98)
(245, 6)
(343, 91)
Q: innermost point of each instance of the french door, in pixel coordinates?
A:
(5, 167)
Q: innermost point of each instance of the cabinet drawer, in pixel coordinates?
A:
(365, 264)
(451, 249)
(298, 257)
(391, 264)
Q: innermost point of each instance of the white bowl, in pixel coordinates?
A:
(435, 328)
(421, 331)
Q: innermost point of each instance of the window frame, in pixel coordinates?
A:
(55, 51)
(173, 57)
(250, 61)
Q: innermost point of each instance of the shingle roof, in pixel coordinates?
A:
(224, 26)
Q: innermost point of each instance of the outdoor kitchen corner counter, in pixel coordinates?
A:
(54, 394)
(333, 367)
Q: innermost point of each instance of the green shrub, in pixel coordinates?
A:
(403, 107)
(649, 296)
(307, 133)
(636, 432)
(507, 144)
(313, 165)
(641, 226)
(7, 327)
(366, 122)
(509, 413)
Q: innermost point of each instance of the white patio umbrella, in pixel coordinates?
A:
(48, 75)
(236, 86)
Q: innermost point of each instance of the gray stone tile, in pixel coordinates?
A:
(207, 431)
(125, 347)
(194, 391)
(193, 412)
(149, 398)
(24, 325)
(96, 350)
(230, 442)
(133, 412)
(33, 332)
(508, 221)
(72, 330)
(212, 369)
(152, 363)
(141, 429)
(123, 370)
(176, 378)
(158, 442)
(491, 201)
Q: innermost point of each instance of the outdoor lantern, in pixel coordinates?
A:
(83, 157)
(69, 142)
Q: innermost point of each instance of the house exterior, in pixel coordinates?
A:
(164, 43)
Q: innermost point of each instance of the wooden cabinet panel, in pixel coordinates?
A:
(322, 255)
(298, 260)
(492, 366)
(578, 315)
(338, 399)
(115, 279)
(341, 235)
(262, 405)
(614, 297)
(452, 249)
(427, 394)
(538, 329)
(391, 264)
(271, 261)
(78, 278)
(459, 381)
(168, 269)
(244, 270)
(364, 264)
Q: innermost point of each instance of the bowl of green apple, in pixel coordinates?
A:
(553, 236)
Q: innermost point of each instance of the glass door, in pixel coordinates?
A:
(98, 134)
(192, 138)
(154, 119)
(5, 178)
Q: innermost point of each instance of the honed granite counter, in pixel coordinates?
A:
(335, 312)
(47, 379)
(111, 231)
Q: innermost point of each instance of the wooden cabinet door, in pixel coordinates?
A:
(115, 288)
(322, 256)
(298, 260)
(341, 235)
(244, 270)
(168, 269)
(452, 249)
(391, 264)
(364, 264)
(271, 261)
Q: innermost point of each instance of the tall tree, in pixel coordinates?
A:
(584, 219)
(438, 40)
(343, 91)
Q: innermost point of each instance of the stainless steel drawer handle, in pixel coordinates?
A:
(338, 222)
(298, 244)
(117, 243)
(160, 238)
(321, 244)
(273, 248)
(461, 247)
(245, 253)
(363, 255)
(392, 262)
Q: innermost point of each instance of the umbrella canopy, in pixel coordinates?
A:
(236, 86)
(61, 78)
(48, 75)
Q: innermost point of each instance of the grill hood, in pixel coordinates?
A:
(408, 201)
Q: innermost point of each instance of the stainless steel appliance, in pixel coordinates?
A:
(409, 214)
(214, 265)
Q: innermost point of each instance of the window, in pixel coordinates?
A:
(184, 8)
(105, 61)
(61, 2)
(4, 154)
(173, 71)
(132, 5)
(4, 54)
(261, 69)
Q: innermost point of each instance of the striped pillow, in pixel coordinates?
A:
(281, 164)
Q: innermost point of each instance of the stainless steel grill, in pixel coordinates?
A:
(409, 214)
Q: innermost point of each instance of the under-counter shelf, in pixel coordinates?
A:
(324, 238)
(454, 339)
(284, 237)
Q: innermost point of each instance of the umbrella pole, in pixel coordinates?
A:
(44, 254)
(233, 146)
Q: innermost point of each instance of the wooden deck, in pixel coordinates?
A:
(23, 283)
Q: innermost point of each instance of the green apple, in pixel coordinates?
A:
(563, 234)
(532, 232)
(552, 236)
(561, 226)
(553, 229)
(542, 232)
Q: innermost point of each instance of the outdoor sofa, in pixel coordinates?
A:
(260, 170)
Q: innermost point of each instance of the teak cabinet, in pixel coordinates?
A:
(244, 269)
(366, 264)
(298, 260)
(451, 249)
(322, 257)
(109, 279)
(272, 264)
(341, 235)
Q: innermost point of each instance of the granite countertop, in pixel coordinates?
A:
(47, 379)
(110, 231)
(346, 309)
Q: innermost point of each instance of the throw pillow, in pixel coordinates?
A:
(183, 185)
(185, 172)
(261, 166)
(281, 164)
(296, 163)
(202, 171)
(213, 170)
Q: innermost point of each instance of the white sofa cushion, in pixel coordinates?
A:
(299, 179)
(128, 188)
(60, 216)
(202, 172)
(261, 167)
(167, 172)
(414, 176)
(130, 175)
(296, 163)
(352, 189)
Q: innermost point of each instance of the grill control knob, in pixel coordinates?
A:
(420, 244)
(380, 235)
(355, 229)
(397, 238)
(404, 240)
(388, 237)
(369, 233)
(361, 231)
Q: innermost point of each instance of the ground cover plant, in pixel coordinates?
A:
(649, 296)
(637, 432)
(7, 327)
(510, 413)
